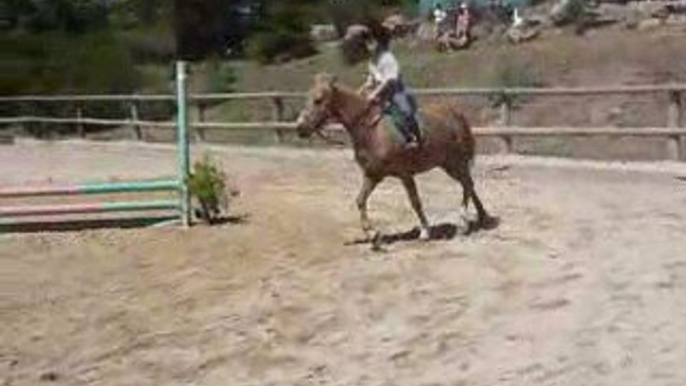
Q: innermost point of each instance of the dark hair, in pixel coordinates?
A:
(354, 49)
(378, 32)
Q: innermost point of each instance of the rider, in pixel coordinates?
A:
(387, 86)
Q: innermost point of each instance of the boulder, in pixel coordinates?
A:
(323, 32)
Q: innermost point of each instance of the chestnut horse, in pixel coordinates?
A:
(447, 142)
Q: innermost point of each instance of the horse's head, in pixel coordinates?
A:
(319, 108)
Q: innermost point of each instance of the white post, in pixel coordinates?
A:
(182, 143)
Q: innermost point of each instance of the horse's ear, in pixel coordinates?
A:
(333, 81)
(326, 80)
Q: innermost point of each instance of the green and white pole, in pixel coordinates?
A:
(182, 142)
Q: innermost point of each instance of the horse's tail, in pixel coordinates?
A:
(465, 137)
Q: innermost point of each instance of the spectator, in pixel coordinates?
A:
(459, 35)
(439, 18)
(463, 25)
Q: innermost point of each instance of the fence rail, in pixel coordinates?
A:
(673, 130)
(483, 91)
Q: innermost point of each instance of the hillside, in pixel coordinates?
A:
(602, 57)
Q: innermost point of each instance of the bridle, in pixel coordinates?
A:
(336, 115)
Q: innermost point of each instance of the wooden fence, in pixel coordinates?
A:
(673, 130)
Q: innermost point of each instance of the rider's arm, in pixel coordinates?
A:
(367, 85)
(389, 72)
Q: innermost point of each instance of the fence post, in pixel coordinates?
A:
(182, 143)
(199, 131)
(674, 109)
(505, 121)
(506, 111)
(674, 118)
(278, 117)
(673, 145)
(26, 126)
(506, 141)
(81, 132)
(133, 108)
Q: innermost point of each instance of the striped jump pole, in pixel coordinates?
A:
(180, 206)
(85, 189)
(88, 189)
(106, 207)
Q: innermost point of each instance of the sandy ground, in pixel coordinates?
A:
(583, 282)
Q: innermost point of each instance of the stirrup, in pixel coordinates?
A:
(411, 144)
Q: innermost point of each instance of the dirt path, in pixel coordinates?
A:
(583, 283)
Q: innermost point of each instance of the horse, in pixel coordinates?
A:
(447, 143)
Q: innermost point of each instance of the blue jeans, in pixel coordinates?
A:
(403, 108)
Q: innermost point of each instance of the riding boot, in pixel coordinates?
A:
(413, 127)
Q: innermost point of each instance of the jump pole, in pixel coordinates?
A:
(90, 189)
(55, 210)
(182, 205)
(183, 159)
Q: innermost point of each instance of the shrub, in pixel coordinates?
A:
(220, 77)
(512, 74)
(207, 184)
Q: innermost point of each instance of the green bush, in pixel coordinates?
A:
(207, 184)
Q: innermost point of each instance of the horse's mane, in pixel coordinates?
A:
(344, 88)
(338, 85)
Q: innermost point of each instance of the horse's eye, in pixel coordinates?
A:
(318, 101)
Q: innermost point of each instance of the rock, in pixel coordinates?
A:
(426, 32)
(323, 32)
(519, 35)
(567, 11)
(649, 24)
(399, 25)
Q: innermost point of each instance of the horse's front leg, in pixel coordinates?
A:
(411, 189)
(368, 186)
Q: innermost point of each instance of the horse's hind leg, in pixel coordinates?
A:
(468, 184)
(459, 171)
(411, 189)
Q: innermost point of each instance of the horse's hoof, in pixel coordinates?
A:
(376, 241)
(424, 234)
(489, 222)
(467, 226)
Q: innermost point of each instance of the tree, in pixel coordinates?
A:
(69, 16)
(200, 27)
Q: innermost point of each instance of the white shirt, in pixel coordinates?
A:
(439, 15)
(385, 68)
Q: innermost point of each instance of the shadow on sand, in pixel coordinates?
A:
(443, 231)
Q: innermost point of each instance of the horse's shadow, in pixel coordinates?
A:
(230, 219)
(439, 232)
